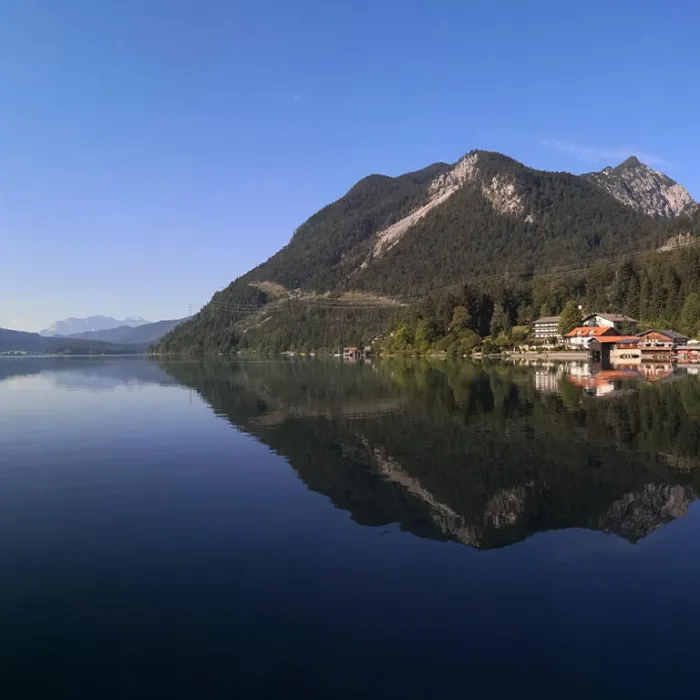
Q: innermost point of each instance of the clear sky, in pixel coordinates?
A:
(153, 150)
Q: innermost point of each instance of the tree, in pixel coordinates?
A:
(460, 317)
(426, 334)
(468, 341)
(520, 334)
(499, 321)
(569, 318)
(402, 338)
(690, 315)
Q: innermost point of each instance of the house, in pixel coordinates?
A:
(579, 338)
(658, 344)
(619, 322)
(611, 348)
(545, 328)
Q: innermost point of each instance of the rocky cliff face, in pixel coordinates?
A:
(648, 191)
(499, 190)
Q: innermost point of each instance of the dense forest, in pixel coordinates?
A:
(660, 290)
(565, 239)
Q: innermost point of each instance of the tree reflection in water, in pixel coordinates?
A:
(465, 452)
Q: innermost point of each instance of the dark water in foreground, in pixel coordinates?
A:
(314, 530)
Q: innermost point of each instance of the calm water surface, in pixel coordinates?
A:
(317, 530)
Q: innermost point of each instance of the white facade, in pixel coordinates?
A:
(616, 321)
(599, 321)
(579, 342)
(545, 328)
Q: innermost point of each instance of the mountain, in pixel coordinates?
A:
(33, 343)
(638, 186)
(14, 341)
(390, 240)
(128, 335)
(72, 326)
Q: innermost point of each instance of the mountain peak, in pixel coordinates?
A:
(631, 162)
(640, 187)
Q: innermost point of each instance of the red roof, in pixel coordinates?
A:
(618, 339)
(588, 331)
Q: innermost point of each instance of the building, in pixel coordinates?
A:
(660, 344)
(614, 348)
(619, 322)
(352, 353)
(579, 338)
(545, 328)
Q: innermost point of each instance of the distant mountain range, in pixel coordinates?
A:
(129, 335)
(119, 340)
(73, 326)
(396, 239)
(33, 343)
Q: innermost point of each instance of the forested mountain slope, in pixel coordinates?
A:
(409, 236)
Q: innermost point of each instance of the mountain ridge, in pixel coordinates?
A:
(33, 343)
(485, 215)
(130, 335)
(72, 326)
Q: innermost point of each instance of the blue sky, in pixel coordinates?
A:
(153, 150)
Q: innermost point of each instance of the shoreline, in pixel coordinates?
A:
(553, 355)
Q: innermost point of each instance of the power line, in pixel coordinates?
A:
(557, 271)
(397, 303)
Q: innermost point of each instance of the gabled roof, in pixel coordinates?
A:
(613, 318)
(668, 333)
(548, 319)
(617, 339)
(588, 331)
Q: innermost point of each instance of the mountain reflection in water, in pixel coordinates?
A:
(481, 455)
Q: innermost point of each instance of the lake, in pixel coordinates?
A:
(314, 529)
